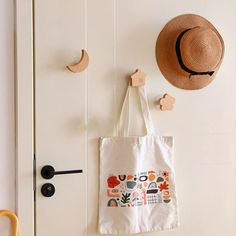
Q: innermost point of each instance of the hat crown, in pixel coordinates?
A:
(201, 49)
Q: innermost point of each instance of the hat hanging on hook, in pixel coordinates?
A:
(189, 51)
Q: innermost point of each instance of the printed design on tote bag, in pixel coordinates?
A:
(141, 189)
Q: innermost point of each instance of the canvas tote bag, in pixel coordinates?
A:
(137, 188)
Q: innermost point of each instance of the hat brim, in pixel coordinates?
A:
(166, 52)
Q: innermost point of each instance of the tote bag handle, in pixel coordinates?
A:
(123, 123)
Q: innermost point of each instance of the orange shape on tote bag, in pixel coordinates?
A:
(113, 181)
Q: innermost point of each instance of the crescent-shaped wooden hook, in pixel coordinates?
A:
(14, 221)
(81, 65)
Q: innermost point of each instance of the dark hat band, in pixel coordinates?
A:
(180, 60)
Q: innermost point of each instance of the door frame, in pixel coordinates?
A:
(24, 115)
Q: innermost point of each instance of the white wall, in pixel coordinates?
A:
(121, 36)
(7, 147)
(213, 154)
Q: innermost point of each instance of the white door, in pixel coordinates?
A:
(73, 110)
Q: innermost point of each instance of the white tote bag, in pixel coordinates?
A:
(137, 188)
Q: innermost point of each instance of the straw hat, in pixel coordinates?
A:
(189, 51)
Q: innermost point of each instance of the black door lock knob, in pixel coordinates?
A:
(48, 190)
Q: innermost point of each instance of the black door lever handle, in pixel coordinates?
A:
(48, 172)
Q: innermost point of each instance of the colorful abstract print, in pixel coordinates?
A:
(141, 189)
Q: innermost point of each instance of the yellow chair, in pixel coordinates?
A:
(14, 221)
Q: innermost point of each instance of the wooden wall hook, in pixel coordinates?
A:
(167, 102)
(138, 78)
(81, 65)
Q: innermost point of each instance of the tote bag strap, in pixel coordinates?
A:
(124, 121)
